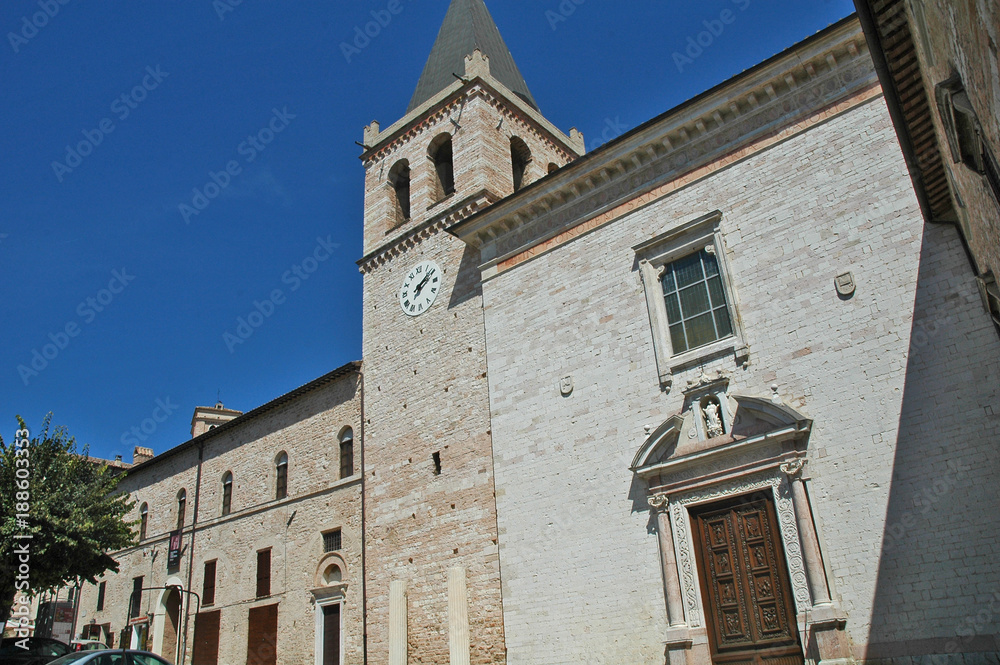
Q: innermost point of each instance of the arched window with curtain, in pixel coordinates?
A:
(281, 476)
(440, 153)
(143, 520)
(347, 453)
(181, 507)
(520, 157)
(227, 493)
(399, 180)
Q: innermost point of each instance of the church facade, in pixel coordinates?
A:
(715, 392)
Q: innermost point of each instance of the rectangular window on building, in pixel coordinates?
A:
(347, 458)
(208, 588)
(262, 635)
(991, 170)
(696, 302)
(331, 634)
(264, 573)
(136, 596)
(331, 541)
(206, 638)
(690, 296)
(990, 291)
(100, 595)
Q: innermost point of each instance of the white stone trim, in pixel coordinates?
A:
(653, 255)
(336, 599)
(680, 504)
(158, 624)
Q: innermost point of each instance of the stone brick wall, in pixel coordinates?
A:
(425, 383)
(961, 38)
(579, 557)
(308, 429)
(426, 387)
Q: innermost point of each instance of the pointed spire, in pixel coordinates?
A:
(468, 26)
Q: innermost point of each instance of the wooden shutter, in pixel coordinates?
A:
(208, 589)
(262, 635)
(263, 573)
(206, 638)
(331, 635)
(347, 458)
(136, 596)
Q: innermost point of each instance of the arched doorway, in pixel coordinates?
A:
(171, 623)
(167, 627)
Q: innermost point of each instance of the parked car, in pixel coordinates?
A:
(111, 657)
(88, 645)
(40, 651)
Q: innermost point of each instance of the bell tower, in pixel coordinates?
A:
(472, 135)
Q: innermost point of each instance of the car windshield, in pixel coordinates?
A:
(70, 658)
(147, 659)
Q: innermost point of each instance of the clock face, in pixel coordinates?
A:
(420, 288)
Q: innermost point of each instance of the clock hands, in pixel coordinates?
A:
(422, 284)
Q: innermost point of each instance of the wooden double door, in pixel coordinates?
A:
(745, 584)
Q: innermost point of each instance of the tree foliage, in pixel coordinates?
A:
(76, 515)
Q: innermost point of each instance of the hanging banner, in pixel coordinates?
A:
(174, 556)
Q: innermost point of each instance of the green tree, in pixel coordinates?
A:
(75, 515)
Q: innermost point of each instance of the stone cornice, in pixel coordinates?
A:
(447, 217)
(762, 102)
(381, 143)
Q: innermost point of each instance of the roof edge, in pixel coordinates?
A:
(353, 367)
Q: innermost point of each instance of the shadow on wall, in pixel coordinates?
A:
(938, 585)
(468, 280)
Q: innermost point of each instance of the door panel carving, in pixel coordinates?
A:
(748, 606)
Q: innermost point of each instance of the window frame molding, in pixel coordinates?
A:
(989, 290)
(337, 597)
(653, 256)
(953, 101)
(270, 564)
(227, 487)
(204, 582)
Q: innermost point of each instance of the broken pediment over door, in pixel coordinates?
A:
(716, 430)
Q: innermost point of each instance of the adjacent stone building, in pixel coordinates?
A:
(940, 65)
(716, 392)
(265, 508)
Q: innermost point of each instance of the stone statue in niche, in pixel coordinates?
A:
(713, 420)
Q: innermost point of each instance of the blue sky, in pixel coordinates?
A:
(118, 303)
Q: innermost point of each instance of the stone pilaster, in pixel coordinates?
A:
(458, 617)
(397, 623)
